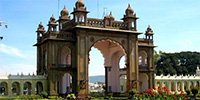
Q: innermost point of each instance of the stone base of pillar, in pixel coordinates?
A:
(53, 93)
(83, 97)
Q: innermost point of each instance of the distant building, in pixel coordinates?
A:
(11, 85)
(97, 87)
(178, 83)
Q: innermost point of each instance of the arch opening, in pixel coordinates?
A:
(143, 79)
(65, 79)
(39, 87)
(27, 88)
(110, 55)
(3, 88)
(15, 88)
(142, 59)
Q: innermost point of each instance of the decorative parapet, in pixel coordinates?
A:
(24, 77)
(93, 22)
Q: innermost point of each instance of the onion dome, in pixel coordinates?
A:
(149, 31)
(64, 12)
(129, 10)
(79, 4)
(110, 16)
(52, 20)
(40, 28)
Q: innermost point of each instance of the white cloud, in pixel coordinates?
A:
(11, 50)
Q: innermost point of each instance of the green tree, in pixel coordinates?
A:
(182, 63)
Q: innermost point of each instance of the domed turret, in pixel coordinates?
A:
(52, 24)
(52, 19)
(79, 4)
(40, 30)
(64, 12)
(129, 10)
(149, 33)
(110, 16)
(64, 17)
(130, 18)
(80, 13)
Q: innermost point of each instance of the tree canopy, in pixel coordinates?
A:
(182, 63)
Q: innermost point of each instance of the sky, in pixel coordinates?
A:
(176, 26)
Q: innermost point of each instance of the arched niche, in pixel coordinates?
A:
(143, 79)
(143, 59)
(16, 88)
(39, 87)
(3, 88)
(27, 88)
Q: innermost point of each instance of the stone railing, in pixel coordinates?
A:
(119, 25)
(95, 22)
(176, 77)
(92, 22)
(22, 76)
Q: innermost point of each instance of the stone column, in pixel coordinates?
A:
(132, 64)
(82, 65)
(194, 83)
(33, 87)
(21, 88)
(9, 88)
(175, 84)
(169, 85)
(188, 85)
(182, 86)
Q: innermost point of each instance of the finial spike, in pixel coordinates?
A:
(129, 6)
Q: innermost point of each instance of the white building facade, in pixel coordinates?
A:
(178, 83)
(11, 85)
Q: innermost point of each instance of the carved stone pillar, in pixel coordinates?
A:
(188, 85)
(9, 88)
(21, 89)
(132, 64)
(33, 86)
(169, 85)
(182, 86)
(175, 84)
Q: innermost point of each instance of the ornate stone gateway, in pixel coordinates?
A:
(63, 51)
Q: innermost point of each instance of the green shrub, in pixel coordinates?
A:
(44, 94)
(96, 94)
(71, 96)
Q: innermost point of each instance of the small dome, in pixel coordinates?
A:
(79, 4)
(64, 12)
(40, 25)
(52, 19)
(40, 28)
(149, 31)
(110, 16)
(129, 10)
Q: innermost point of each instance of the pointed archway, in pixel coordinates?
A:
(112, 53)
